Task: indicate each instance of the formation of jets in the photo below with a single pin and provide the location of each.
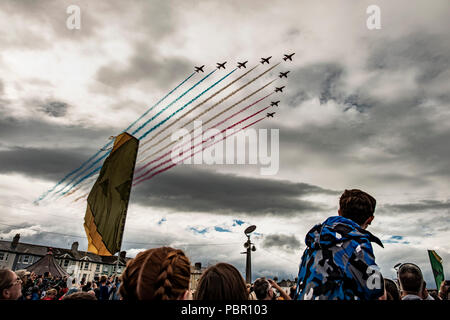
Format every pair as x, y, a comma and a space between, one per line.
221, 65
283, 74
243, 64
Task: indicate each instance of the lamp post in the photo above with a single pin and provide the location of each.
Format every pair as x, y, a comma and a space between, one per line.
250, 247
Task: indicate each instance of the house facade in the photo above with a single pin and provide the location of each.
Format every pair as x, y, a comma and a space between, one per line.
15, 255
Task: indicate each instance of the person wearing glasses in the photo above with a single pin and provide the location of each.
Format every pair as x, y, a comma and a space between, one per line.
338, 262
10, 285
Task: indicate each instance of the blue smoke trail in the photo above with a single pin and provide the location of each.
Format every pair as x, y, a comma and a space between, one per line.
188, 103
45, 194
169, 105
153, 128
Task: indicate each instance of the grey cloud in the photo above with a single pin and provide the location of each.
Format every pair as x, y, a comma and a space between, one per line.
421, 206
51, 164
50, 13
54, 108
281, 241
145, 66
192, 190
39, 133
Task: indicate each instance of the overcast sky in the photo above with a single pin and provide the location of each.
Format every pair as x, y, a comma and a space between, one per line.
361, 108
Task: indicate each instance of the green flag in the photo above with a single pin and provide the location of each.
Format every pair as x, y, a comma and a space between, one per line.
436, 266
107, 202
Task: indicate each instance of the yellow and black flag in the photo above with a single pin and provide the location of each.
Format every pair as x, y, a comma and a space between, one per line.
107, 202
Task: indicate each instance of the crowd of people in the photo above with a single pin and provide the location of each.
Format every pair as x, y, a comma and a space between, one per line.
338, 264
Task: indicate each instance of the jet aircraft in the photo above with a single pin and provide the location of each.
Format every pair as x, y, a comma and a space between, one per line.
288, 56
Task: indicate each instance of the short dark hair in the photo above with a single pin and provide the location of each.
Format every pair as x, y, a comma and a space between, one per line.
357, 205
410, 278
261, 288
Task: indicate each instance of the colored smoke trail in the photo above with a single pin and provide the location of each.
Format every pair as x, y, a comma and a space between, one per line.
209, 120
185, 105
45, 194
154, 127
200, 104
212, 127
170, 104
192, 147
174, 164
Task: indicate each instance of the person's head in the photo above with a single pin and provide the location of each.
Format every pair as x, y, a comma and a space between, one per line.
51, 293
10, 285
156, 274
103, 279
221, 282
390, 291
23, 275
357, 206
263, 289
80, 296
411, 279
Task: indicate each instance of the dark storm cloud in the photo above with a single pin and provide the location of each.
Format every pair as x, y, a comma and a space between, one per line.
193, 190
54, 108
49, 164
281, 241
49, 13
145, 66
36, 132
46, 150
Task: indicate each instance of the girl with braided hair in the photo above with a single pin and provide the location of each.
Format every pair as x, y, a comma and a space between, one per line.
157, 274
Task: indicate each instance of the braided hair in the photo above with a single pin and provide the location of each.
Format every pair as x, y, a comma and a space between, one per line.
156, 274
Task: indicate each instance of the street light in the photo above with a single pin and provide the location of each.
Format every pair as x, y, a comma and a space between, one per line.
250, 247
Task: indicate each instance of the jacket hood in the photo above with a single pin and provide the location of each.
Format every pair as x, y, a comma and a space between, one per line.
335, 230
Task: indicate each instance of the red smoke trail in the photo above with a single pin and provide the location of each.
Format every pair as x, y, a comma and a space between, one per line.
212, 127
174, 164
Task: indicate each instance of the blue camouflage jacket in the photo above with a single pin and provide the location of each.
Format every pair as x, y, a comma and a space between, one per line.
338, 263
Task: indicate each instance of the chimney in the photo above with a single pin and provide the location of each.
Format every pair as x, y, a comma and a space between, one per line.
74, 247
123, 254
198, 266
15, 241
